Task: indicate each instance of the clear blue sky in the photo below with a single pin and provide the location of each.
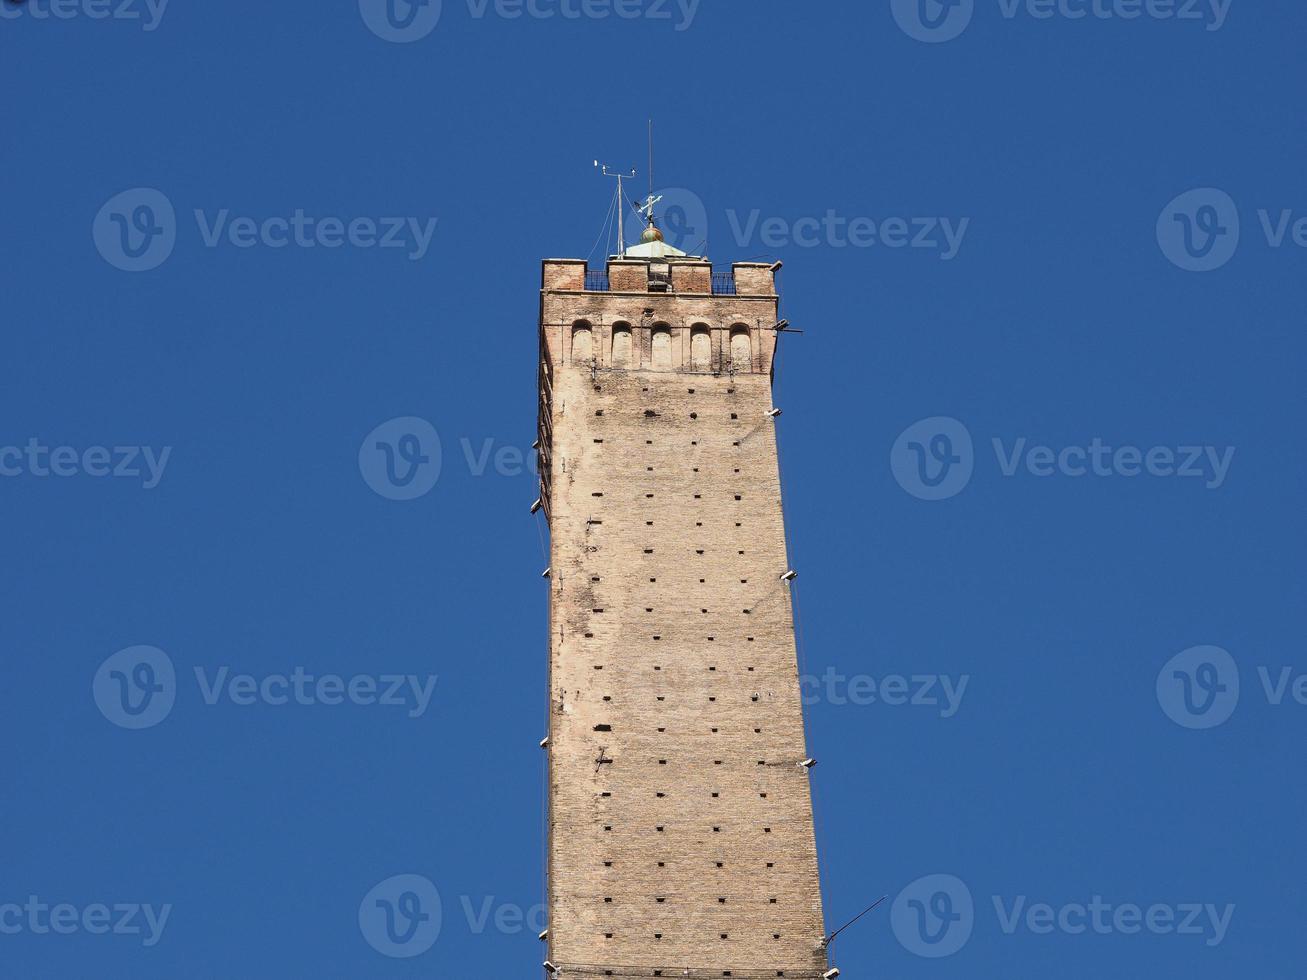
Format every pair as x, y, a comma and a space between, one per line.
1066, 771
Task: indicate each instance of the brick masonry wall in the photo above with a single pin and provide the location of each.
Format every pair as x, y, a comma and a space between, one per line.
681, 831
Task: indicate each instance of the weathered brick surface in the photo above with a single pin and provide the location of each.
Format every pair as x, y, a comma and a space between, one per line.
681, 831
564, 274
751, 278
692, 277
628, 276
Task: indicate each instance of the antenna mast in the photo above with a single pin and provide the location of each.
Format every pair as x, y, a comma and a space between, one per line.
646, 209
621, 205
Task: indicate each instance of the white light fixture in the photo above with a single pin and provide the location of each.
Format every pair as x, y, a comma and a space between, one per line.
783, 325
808, 763
790, 576
544, 935
540, 502
775, 413
547, 572
830, 974
544, 742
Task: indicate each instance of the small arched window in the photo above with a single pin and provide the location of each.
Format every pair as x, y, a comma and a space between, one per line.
662, 347
621, 345
741, 350
700, 348
582, 343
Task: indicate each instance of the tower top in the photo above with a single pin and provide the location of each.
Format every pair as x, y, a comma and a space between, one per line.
652, 243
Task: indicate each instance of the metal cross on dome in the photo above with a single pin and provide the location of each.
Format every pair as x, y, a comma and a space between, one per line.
647, 208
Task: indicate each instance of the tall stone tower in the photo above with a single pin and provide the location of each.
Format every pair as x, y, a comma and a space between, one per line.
680, 822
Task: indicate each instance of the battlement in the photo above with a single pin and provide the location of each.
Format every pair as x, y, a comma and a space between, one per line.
686, 275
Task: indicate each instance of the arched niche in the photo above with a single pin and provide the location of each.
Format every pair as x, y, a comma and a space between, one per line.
621, 345
700, 347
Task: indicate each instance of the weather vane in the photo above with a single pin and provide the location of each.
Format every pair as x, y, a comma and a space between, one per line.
646, 209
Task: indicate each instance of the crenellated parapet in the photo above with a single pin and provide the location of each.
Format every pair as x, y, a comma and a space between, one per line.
653, 315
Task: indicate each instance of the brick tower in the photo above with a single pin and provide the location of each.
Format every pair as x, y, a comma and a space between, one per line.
681, 836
